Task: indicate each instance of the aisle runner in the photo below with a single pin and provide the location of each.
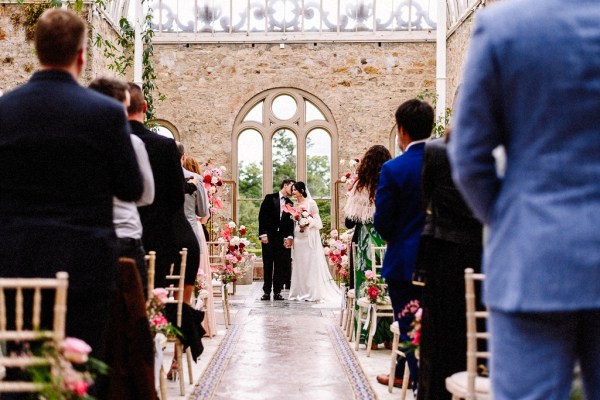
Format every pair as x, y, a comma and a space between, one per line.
357, 378
212, 375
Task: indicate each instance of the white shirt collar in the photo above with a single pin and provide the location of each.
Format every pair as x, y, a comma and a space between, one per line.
415, 142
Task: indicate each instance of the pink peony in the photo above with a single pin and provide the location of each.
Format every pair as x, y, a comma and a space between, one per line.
369, 274
159, 321
161, 294
75, 350
334, 233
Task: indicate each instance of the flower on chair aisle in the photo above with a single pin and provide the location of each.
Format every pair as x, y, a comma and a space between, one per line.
374, 288
213, 181
413, 310
236, 256
155, 307
61, 380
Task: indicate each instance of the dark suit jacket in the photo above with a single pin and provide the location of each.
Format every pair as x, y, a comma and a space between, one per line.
450, 218
157, 218
399, 217
269, 222
65, 152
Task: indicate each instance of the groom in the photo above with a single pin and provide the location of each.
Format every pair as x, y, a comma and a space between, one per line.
276, 230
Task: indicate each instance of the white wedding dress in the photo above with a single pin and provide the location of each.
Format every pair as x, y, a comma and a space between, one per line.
311, 280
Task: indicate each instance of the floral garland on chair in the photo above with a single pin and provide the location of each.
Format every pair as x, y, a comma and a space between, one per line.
236, 255
337, 256
374, 288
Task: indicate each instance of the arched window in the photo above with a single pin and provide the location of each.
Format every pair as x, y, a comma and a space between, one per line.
283, 133
164, 128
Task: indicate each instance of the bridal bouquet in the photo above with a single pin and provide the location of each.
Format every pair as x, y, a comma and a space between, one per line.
61, 380
236, 255
337, 255
373, 288
299, 214
155, 307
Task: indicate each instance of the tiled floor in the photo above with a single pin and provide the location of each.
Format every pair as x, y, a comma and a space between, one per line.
282, 350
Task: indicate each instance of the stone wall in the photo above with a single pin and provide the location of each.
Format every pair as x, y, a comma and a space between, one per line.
361, 83
17, 54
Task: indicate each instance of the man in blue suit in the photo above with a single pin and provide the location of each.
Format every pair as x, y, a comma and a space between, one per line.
65, 152
399, 216
532, 85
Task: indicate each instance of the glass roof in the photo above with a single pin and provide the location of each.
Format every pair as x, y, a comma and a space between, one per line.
294, 18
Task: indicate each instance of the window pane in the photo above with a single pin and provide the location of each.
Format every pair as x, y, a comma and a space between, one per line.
318, 163
313, 113
284, 156
250, 164
256, 114
161, 130
325, 214
248, 216
284, 107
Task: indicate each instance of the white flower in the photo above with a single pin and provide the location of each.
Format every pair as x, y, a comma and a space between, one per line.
352, 163
214, 180
245, 241
326, 250
212, 190
234, 241
331, 242
344, 259
304, 214
231, 224
342, 161
343, 179
221, 240
303, 221
223, 168
242, 227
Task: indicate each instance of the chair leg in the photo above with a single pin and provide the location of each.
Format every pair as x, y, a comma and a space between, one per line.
188, 353
405, 380
358, 328
342, 311
370, 335
394, 361
350, 328
180, 368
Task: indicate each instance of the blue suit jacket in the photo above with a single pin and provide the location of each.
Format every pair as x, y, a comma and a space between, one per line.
399, 217
532, 84
65, 151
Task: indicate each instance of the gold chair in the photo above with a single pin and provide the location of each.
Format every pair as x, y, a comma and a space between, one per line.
217, 253
151, 265
466, 384
396, 352
179, 279
368, 312
20, 333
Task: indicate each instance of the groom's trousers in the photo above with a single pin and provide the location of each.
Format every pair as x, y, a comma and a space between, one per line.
277, 264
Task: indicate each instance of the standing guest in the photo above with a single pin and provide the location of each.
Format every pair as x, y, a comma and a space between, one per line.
399, 218
542, 256
454, 244
359, 211
276, 232
126, 217
65, 152
157, 218
202, 214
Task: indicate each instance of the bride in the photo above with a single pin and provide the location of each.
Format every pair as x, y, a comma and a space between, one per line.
311, 280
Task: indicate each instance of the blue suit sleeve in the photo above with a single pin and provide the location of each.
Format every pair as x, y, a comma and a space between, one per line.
478, 125
384, 220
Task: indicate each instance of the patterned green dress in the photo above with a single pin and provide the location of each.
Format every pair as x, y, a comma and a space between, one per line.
368, 237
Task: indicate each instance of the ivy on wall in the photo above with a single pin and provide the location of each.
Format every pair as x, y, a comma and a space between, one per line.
440, 123
119, 53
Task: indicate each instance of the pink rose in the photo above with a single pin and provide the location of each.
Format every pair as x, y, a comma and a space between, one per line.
369, 274
159, 321
416, 338
75, 350
419, 314
161, 294
334, 233
79, 387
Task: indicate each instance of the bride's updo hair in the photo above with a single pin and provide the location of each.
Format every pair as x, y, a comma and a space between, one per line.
301, 187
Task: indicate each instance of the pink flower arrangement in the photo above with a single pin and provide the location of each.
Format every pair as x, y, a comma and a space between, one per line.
337, 255
236, 255
413, 310
299, 214
61, 380
349, 177
155, 307
373, 288
213, 181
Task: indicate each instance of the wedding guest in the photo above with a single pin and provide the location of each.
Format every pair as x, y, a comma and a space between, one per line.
399, 218
66, 152
538, 96
157, 218
126, 217
454, 243
359, 211
210, 322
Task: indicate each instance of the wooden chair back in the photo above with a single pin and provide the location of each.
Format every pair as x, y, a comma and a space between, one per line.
30, 330
151, 265
474, 336
177, 291
377, 255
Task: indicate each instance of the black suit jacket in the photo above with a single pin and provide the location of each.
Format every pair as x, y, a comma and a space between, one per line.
65, 151
269, 222
157, 218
